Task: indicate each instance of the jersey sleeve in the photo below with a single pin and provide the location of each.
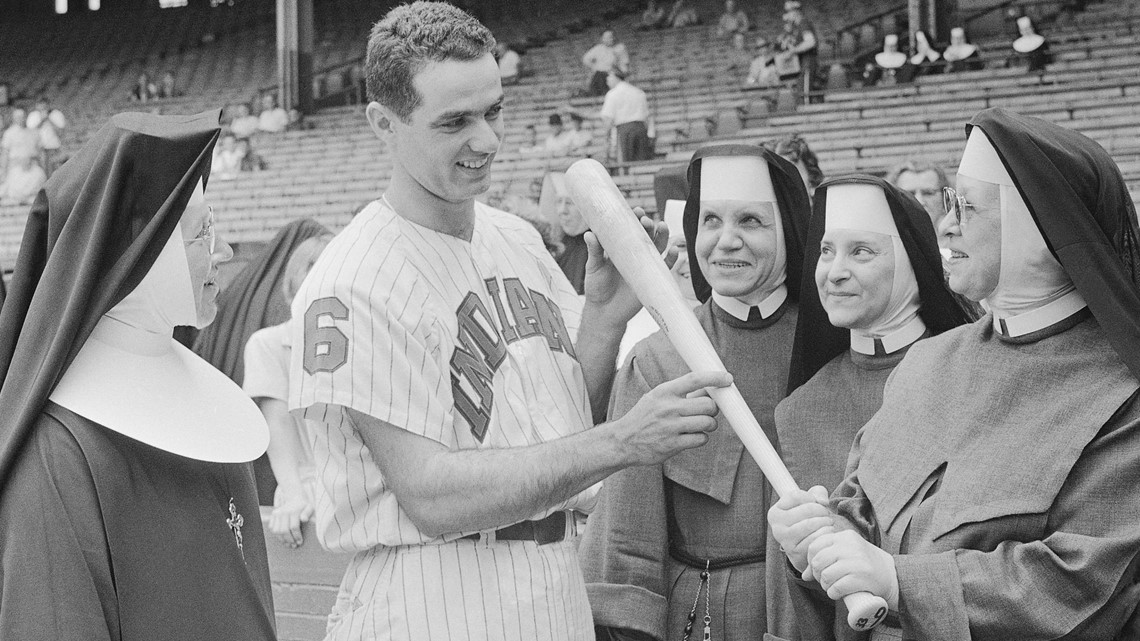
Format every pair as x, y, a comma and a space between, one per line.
374, 349
266, 366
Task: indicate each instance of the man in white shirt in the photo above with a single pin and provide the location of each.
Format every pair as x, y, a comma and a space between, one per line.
273, 119
509, 64
49, 123
608, 54
627, 109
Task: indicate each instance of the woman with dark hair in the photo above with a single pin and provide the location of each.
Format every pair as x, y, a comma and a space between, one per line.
128, 510
872, 261
796, 151
678, 547
996, 492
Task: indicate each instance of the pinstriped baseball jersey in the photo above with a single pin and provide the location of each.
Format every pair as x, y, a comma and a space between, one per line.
466, 343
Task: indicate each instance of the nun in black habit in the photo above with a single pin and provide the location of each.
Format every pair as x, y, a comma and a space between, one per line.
657, 529
128, 509
996, 493
872, 264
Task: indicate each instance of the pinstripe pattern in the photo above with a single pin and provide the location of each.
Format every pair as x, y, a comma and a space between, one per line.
428, 314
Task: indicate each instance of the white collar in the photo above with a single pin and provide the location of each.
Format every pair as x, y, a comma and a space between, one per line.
893, 342
1030, 43
959, 52
1040, 318
739, 309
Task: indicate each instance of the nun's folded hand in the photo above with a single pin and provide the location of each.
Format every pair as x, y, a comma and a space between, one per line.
797, 520
844, 562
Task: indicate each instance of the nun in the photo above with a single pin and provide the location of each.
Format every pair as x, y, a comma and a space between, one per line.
128, 509
892, 63
961, 55
676, 551
996, 493
926, 58
1030, 45
872, 258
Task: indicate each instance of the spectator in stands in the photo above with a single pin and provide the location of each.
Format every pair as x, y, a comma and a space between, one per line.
732, 21
739, 57
227, 159
244, 124
297, 120
251, 161
167, 88
580, 138
49, 123
652, 18
798, 41
682, 15
266, 381
530, 144
272, 119
608, 54
961, 55
24, 180
510, 64
925, 181
144, 90
891, 62
796, 151
18, 142
557, 141
626, 108
926, 58
526, 205
762, 69
1031, 45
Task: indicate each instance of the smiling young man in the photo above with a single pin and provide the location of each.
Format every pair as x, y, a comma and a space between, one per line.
657, 528
453, 369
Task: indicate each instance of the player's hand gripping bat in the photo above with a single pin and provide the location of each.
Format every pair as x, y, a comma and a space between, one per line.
639, 262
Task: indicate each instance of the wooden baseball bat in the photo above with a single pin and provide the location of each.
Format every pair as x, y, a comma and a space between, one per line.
639, 262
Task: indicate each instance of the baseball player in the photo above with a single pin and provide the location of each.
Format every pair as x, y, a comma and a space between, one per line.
454, 373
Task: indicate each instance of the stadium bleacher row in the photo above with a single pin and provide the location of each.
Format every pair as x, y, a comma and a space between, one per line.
329, 171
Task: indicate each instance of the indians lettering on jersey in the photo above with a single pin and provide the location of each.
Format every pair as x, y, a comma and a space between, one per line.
481, 345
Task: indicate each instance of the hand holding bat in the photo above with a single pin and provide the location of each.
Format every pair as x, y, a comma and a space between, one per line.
639, 262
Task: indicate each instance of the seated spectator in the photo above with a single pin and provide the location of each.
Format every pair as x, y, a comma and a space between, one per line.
925, 181
557, 143
297, 120
227, 159
1031, 45
580, 139
250, 159
682, 15
530, 145
272, 119
244, 124
961, 55
167, 88
652, 18
49, 123
525, 205
926, 58
601, 58
733, 20
510, 64
144, 90
23, 182
18, 142
891, 62
739, 57
796, 151
762, 69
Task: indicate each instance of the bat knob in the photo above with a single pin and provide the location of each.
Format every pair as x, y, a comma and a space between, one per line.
864, 610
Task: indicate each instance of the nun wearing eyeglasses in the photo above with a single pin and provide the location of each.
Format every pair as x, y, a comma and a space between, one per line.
128, 510
678, 549
872, 257
996, 493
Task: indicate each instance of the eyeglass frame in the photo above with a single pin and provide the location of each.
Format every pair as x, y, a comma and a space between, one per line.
207, 234
954, 203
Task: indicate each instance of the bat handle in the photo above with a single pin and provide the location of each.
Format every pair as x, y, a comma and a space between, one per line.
864, 610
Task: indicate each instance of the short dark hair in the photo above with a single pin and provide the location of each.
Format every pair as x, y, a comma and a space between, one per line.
794, 149
410, 36
555, 119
